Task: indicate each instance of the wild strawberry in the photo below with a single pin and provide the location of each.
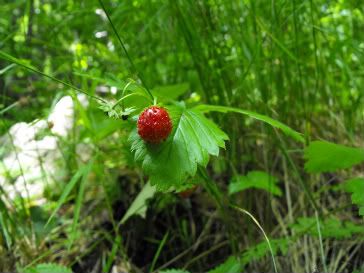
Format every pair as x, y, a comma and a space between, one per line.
154, 124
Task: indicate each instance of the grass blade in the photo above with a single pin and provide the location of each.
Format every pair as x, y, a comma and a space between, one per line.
80, 172
78, 205
275, 123
320, 240
262, 230
162, 243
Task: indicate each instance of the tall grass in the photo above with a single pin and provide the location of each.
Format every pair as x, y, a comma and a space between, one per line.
296, 61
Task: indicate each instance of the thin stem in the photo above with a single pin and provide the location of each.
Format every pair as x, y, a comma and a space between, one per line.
125, 50
8, 107
9, 58
122, 97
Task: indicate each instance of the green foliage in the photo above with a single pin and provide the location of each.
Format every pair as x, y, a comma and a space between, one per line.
67, 190
231, 265
170, 92
275, 123
355, 186
139, 205
192, 140
79, 202
323, 156
255, 179
260, 250
299, 62
330, 228
47, 268
109, 108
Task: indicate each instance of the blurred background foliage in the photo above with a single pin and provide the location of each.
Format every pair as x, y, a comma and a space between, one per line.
300, 62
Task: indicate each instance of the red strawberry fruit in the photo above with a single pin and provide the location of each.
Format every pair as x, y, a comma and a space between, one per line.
154, 124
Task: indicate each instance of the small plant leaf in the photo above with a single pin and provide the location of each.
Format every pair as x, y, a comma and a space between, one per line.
355, 186
323, 156
255, 179
231, 265
261, 250
139, 205
47, 268
171, 92
107, 107
193, 139
330, 228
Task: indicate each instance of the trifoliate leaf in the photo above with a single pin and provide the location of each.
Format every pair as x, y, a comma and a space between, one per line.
255, 179
323, 156
193, 139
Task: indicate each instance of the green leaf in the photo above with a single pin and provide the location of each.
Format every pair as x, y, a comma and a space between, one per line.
323, 156
139, 205
261, 250
255, 179
67, 190
192, 140
275, 123
79, 201
108, 108
171, 92
330, 227
355, 186
103, 127
47, 268
231, 265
